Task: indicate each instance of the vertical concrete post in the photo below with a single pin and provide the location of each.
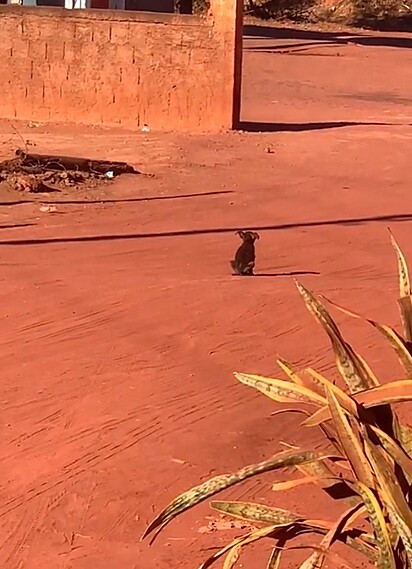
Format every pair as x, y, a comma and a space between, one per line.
227, 16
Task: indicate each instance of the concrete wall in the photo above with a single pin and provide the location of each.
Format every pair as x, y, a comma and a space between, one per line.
172, 72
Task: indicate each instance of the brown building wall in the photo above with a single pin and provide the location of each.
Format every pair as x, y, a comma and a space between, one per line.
171, 72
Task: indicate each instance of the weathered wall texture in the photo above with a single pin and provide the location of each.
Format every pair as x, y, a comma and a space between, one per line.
169, 71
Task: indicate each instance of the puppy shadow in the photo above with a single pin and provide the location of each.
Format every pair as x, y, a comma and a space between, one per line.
288, 274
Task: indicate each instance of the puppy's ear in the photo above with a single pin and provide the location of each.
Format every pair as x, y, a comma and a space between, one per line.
241, 234
256, 235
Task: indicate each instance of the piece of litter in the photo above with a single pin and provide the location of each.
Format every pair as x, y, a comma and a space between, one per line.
178, 461
48, 208
145, 128
33, 124
109, 174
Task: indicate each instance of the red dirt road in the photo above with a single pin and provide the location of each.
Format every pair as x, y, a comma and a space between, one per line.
122, 324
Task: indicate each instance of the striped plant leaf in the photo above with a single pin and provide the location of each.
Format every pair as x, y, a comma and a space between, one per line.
317, 559
280, 390
324, 477
405, 304
216, 484
250, 537
344, 399
232, 557
258, 513
386, 558
291, 484
364, 545
314, 561
398, 344
347, 362
350, 441
251, 512
289, 371
368, 370
405, 438
395, 340
290, 410
275, 558
405, 307
403, 531
352, 369
393, 392
389, 488
311, 377
395, 451
404, 282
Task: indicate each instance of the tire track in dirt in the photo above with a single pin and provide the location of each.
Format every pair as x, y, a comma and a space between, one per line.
178, 410
185, 415
117, 524
16, 546
77, 326
190, 410
81, 465
68, 437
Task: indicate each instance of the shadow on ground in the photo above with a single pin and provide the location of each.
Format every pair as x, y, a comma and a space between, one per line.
16, 225
302, 127
189, 232
288, 274
320, 38
112, 201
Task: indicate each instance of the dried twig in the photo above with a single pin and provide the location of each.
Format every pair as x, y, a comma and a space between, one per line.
20, 136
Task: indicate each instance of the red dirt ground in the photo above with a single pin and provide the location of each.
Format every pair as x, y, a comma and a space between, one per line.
117, 351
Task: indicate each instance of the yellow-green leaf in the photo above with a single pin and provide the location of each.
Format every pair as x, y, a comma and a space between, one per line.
393, 392
288, 369
280, 390
251, 512
344, 399
347, 362
317, 559
294, 483
404, 282
350, 441
324, 477
258, 513
276, 517
377, 519
314, 561
250, 537
405, 438
368, 371
405, 307
395, 340
395, 451
274, 559
216, 484
388, 487
403, 531
232, 557
398, 344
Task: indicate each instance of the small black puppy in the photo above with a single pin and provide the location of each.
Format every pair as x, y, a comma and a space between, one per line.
244, 261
